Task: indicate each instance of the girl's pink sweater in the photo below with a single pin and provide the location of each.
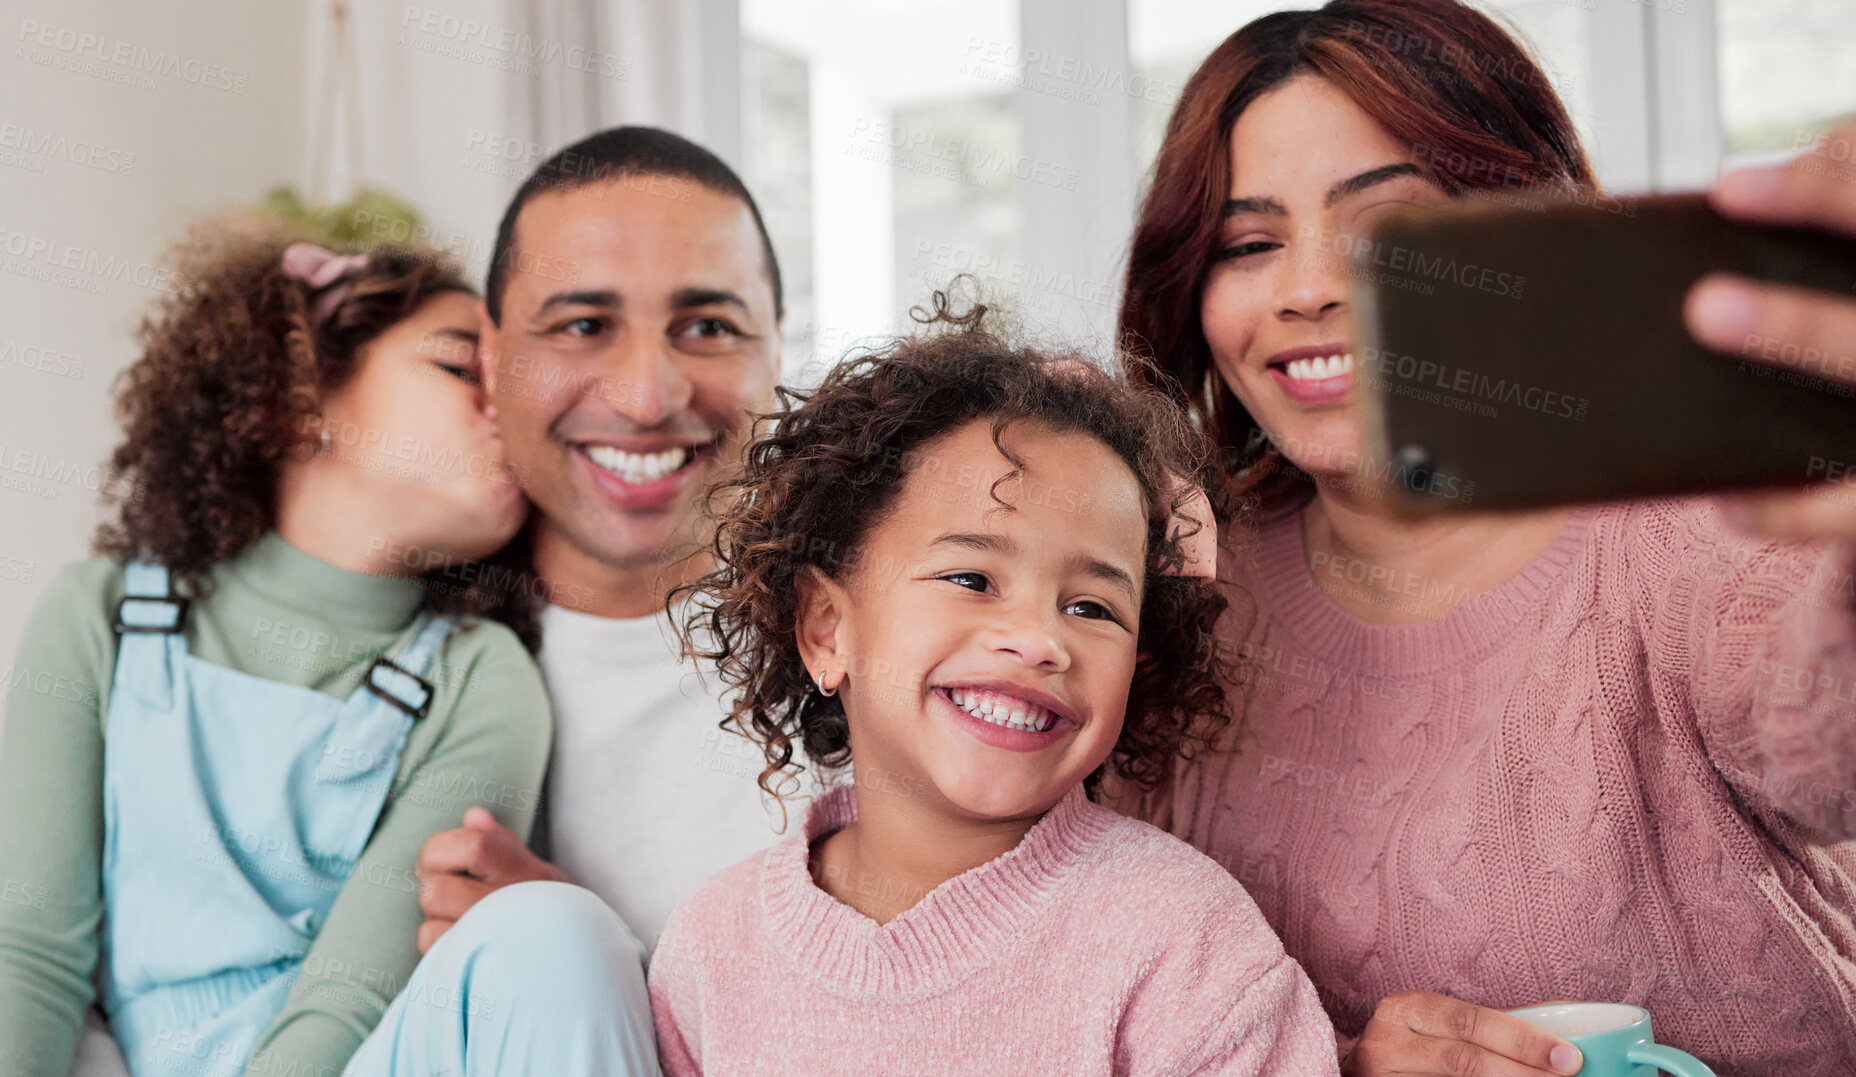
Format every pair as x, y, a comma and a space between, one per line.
1098, 945
1620, 775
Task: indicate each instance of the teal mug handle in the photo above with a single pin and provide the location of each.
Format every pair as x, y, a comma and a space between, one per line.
1680, 1063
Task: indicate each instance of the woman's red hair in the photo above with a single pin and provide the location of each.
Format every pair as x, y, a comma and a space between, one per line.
1441, 77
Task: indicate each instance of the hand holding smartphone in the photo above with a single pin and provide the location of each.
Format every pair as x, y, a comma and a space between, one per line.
1533, 353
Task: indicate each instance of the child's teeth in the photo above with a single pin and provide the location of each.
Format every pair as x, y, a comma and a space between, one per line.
638, 467
1008, 711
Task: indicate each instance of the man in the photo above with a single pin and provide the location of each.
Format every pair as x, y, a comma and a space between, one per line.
631, 324
630, 328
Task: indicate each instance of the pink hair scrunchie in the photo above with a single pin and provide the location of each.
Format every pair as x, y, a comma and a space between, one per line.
319, 268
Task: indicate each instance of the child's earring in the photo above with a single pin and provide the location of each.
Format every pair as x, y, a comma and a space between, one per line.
308, 448
836, 679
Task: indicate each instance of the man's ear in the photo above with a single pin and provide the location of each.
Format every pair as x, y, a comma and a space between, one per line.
819, 623
489, 341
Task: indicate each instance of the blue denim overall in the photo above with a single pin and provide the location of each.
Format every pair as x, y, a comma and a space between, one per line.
234, 810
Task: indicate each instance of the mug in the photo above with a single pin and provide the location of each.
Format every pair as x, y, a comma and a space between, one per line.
1614, 1037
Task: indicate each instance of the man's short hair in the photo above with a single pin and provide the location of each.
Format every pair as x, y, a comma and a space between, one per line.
613, 154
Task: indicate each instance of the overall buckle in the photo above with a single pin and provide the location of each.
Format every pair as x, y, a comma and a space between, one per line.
122, 627
386, 693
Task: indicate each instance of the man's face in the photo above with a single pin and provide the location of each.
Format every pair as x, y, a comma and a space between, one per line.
638, 333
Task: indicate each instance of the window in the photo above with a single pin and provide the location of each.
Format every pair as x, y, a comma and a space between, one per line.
896, 143
878, 129
1788, 72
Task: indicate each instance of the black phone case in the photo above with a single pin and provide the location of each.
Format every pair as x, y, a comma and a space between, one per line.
1520, 357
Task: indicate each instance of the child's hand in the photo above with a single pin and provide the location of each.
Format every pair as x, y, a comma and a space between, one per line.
458, 867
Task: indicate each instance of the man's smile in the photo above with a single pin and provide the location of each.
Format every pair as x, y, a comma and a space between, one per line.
645, 463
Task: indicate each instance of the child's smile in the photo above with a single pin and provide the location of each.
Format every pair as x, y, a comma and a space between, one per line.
988, 633
1010, 717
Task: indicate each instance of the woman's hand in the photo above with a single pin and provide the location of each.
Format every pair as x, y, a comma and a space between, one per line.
1422, 1032
1792, 328
458, 868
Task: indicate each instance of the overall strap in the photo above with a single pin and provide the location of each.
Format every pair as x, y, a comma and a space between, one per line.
375, 724
399, 681
149, 624
150, 604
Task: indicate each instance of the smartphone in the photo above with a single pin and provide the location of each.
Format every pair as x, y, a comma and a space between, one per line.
1533, 353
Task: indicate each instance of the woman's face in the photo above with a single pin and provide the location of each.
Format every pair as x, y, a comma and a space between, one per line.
409, 440
988, 650
1310, 174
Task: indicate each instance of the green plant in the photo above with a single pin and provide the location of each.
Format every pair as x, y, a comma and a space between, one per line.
369, 217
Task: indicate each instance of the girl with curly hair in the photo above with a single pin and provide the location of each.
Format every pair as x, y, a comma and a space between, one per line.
955, 566
237, 726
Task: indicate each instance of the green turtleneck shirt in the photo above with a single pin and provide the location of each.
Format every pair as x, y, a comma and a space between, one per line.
278, 613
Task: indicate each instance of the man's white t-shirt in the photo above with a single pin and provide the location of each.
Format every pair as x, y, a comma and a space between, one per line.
647, 796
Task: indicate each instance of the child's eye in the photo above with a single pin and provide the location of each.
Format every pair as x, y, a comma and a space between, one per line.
1094, 611
466, 373
972, 581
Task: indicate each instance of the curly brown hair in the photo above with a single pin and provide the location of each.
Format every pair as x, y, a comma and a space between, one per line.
231, 372
831, 468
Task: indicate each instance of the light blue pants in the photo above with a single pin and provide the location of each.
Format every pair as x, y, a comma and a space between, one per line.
537, 978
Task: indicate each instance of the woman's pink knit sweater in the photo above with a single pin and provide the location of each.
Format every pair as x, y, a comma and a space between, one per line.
1098, 945
1619, 775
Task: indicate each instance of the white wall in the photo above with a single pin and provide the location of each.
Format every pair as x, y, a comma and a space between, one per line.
465, 97
432, 78
118, 122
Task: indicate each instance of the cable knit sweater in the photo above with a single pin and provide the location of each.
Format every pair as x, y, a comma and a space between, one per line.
1618, 775
1098, 945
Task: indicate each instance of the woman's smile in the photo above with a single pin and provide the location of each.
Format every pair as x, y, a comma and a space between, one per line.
1313, 376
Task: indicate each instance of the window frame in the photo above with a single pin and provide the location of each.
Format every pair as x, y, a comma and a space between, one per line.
1654, 84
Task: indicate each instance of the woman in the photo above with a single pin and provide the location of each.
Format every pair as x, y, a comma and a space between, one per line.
269, 690
1590, 753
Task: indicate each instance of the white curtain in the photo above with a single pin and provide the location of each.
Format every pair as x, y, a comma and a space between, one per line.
461, 99
657, 62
